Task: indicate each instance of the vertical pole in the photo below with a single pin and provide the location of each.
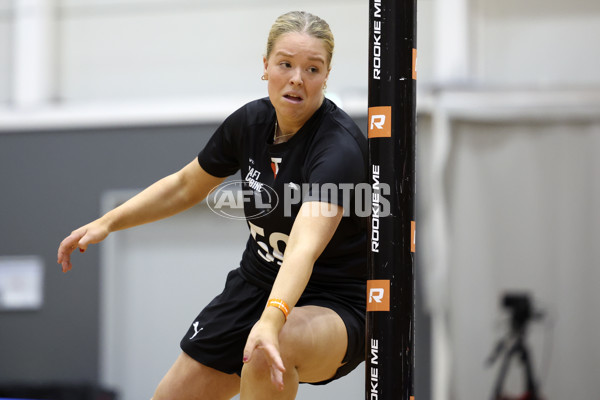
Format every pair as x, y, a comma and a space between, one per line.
392, 140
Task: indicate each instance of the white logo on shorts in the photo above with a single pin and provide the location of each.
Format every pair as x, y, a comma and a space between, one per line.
196, 330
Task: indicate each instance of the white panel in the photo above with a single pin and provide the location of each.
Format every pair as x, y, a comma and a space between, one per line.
541, 8
425, 41
155, 279
171, 41
538, 43
192, 51
21, 283
152, 5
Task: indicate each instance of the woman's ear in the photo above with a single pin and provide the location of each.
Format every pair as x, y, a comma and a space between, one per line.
265, 64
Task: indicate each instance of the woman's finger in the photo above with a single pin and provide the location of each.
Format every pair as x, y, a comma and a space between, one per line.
68, 245
274, 357
249, 349
277, 378
64, 252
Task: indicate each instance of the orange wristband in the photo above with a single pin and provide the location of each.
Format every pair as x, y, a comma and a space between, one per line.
282, 305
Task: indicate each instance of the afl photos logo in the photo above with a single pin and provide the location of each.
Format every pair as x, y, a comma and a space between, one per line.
378, 295
229, 199
380, 122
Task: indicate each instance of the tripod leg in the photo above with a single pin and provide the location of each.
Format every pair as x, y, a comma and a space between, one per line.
530, 379
502, 373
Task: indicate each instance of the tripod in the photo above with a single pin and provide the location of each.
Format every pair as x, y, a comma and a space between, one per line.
521, 309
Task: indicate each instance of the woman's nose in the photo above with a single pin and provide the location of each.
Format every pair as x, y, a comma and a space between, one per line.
296, 78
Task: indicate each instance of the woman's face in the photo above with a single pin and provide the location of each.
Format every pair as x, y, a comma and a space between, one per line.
297, 70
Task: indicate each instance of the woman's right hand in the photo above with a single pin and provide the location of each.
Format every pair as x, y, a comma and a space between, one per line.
94, 232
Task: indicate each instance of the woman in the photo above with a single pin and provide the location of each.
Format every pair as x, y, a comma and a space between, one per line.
294, 310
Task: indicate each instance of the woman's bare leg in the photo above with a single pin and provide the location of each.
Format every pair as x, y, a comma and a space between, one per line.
189, 380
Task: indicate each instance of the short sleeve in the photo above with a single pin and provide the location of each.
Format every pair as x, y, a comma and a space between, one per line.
220, 157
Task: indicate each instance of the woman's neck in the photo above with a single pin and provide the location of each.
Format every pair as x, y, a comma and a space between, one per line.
286, 128
280, 135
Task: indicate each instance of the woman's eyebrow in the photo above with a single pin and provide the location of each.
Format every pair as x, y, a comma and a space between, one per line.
311, 58
284, 53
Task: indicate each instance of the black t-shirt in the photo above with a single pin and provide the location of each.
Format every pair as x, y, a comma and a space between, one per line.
324, 161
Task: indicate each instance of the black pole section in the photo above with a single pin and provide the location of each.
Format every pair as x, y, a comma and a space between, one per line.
392, 141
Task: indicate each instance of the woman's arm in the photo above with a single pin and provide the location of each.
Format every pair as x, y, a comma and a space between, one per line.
312, 230
168, 196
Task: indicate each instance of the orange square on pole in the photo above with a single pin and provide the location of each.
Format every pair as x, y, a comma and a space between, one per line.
414, 64
380, 122
413, 239
378, 295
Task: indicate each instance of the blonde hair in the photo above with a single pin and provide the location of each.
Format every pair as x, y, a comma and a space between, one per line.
301, 22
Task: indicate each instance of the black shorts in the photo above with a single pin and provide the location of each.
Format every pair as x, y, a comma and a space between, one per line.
218, 335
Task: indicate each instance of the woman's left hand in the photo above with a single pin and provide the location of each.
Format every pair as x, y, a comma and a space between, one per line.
264, 337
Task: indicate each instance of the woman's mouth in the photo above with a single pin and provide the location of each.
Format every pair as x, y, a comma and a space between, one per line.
293, 98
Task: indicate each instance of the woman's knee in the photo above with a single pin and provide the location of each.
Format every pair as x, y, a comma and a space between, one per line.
314, 342
259, 366
312, 329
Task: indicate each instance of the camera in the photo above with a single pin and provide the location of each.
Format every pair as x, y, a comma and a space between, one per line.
519, 305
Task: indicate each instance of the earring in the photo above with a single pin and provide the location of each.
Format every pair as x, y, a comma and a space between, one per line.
325, 86
264, 77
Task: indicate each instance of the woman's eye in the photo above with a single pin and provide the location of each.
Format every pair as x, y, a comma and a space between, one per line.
285, 64
313, 69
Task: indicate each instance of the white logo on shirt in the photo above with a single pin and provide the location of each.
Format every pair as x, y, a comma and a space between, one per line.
196, 330
275, 161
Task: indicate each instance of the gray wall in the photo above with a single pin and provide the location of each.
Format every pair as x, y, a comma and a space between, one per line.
51, 184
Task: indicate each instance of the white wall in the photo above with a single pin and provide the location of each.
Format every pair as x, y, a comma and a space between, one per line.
142, 49
152, 49
156, 49
536, 43
5, 51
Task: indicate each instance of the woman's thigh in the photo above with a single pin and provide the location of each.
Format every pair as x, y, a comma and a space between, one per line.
314, 340
189, 380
